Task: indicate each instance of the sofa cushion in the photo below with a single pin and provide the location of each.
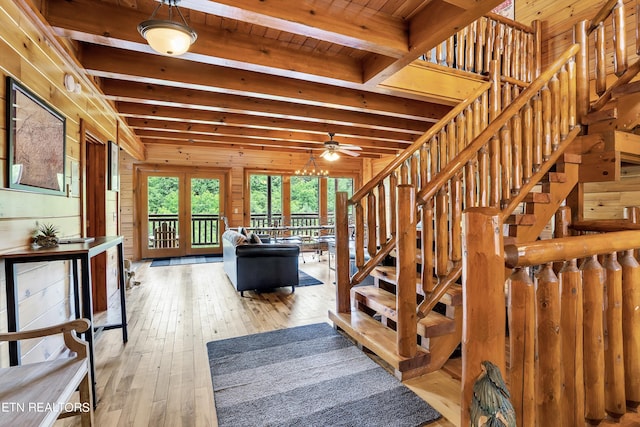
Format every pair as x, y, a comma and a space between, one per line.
234, 237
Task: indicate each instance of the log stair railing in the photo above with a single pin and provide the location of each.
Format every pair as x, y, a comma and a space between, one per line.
479, 155
580, 307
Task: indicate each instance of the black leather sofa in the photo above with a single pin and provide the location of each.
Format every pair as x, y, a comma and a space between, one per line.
256, 266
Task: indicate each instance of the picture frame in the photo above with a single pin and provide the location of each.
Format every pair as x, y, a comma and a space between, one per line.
36, 141
506, 9
114, 173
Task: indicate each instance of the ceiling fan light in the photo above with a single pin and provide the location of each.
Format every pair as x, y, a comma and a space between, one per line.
332, 156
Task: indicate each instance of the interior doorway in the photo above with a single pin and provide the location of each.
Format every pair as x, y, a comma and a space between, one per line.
181, 212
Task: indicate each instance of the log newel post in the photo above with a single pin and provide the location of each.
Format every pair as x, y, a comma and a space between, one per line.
613, 349
343, 286
631, 326
522, 338
406, 303
484, 316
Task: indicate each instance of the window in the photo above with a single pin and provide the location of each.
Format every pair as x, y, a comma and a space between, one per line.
333, 186
266, 200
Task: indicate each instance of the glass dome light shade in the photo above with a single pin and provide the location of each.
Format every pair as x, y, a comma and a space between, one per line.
167, 37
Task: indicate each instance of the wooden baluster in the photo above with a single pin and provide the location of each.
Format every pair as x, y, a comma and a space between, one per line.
547, 134
489, 45
518, 50
506, 94
537, 49
507, 52
522, 337
600, 58
483, 333
554, 88
494, 143
343, 285
393, 183
525, 55
613, 349
505, 168
469, 40
439, 53
443, 155
433, 157
498, 50
470, 120
563, 76
406, 273
371, 224
631, 326
619, 39
529, 64
571, 71
572, 344
538, 132
442, 232
593, 284
450, 51
460, 36
470, 184
404, 173
359, 234
483, 155
382, 213
414, 171
460, 134
582, 69
481, 34
452, 142
527, 143
456, 218
548, 324
516, 154
426, 234
637, 27
424, 166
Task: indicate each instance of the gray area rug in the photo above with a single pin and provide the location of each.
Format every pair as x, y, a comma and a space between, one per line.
185, 260
307, 376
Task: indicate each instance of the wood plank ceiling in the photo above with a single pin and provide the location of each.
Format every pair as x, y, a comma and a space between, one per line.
274, 75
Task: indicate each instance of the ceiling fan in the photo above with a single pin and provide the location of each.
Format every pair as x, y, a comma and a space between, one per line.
332, 148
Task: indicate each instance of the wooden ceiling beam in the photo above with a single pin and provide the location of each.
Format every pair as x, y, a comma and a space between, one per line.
279, 134
115, 63
157, 143
325, 119
214, 45
155, 137
433, 24
335, 21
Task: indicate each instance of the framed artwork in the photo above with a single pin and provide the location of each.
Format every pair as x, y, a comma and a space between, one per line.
506, 9
36, 135
114, 173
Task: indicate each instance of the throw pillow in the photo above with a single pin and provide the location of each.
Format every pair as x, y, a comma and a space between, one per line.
254, 238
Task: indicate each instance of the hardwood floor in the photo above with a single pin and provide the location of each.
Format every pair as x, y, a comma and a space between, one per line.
161, 376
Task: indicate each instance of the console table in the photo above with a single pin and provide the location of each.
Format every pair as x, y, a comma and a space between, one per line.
74, 252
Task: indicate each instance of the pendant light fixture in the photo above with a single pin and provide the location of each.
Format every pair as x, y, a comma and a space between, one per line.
168, 37
311, 169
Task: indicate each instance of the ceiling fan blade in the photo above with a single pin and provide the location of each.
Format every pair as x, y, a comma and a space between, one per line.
348, 152
350, 147
324, 153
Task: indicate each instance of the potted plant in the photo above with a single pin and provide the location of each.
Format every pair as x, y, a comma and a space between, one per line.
46, 236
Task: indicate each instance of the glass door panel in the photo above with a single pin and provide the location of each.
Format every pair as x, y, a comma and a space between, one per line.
162, 229
205, 200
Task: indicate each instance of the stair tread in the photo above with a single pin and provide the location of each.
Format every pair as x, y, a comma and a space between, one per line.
381, 340
453, 296
384, 302
521, 219
536, 197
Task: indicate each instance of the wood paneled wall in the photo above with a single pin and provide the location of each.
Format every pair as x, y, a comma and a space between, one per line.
29, 54
607, 200
207, 157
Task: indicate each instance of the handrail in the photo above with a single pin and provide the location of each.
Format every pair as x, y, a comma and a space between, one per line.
443, 286
515, 24
409, 151
470, 150
625, 78
602, 14
605, 225
545, 251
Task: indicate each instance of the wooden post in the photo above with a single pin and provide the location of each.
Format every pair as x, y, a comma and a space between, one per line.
631, 326
483, 303
613, 349
549, 373
442, 232
620, 39
382, 213
537, 48
371, 224
343, 286
582, 69
522, 338
601, 60
406, 272
593, 284
427, 246
572, 344
494, 143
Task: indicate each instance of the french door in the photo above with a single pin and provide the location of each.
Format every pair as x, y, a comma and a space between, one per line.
181, 213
